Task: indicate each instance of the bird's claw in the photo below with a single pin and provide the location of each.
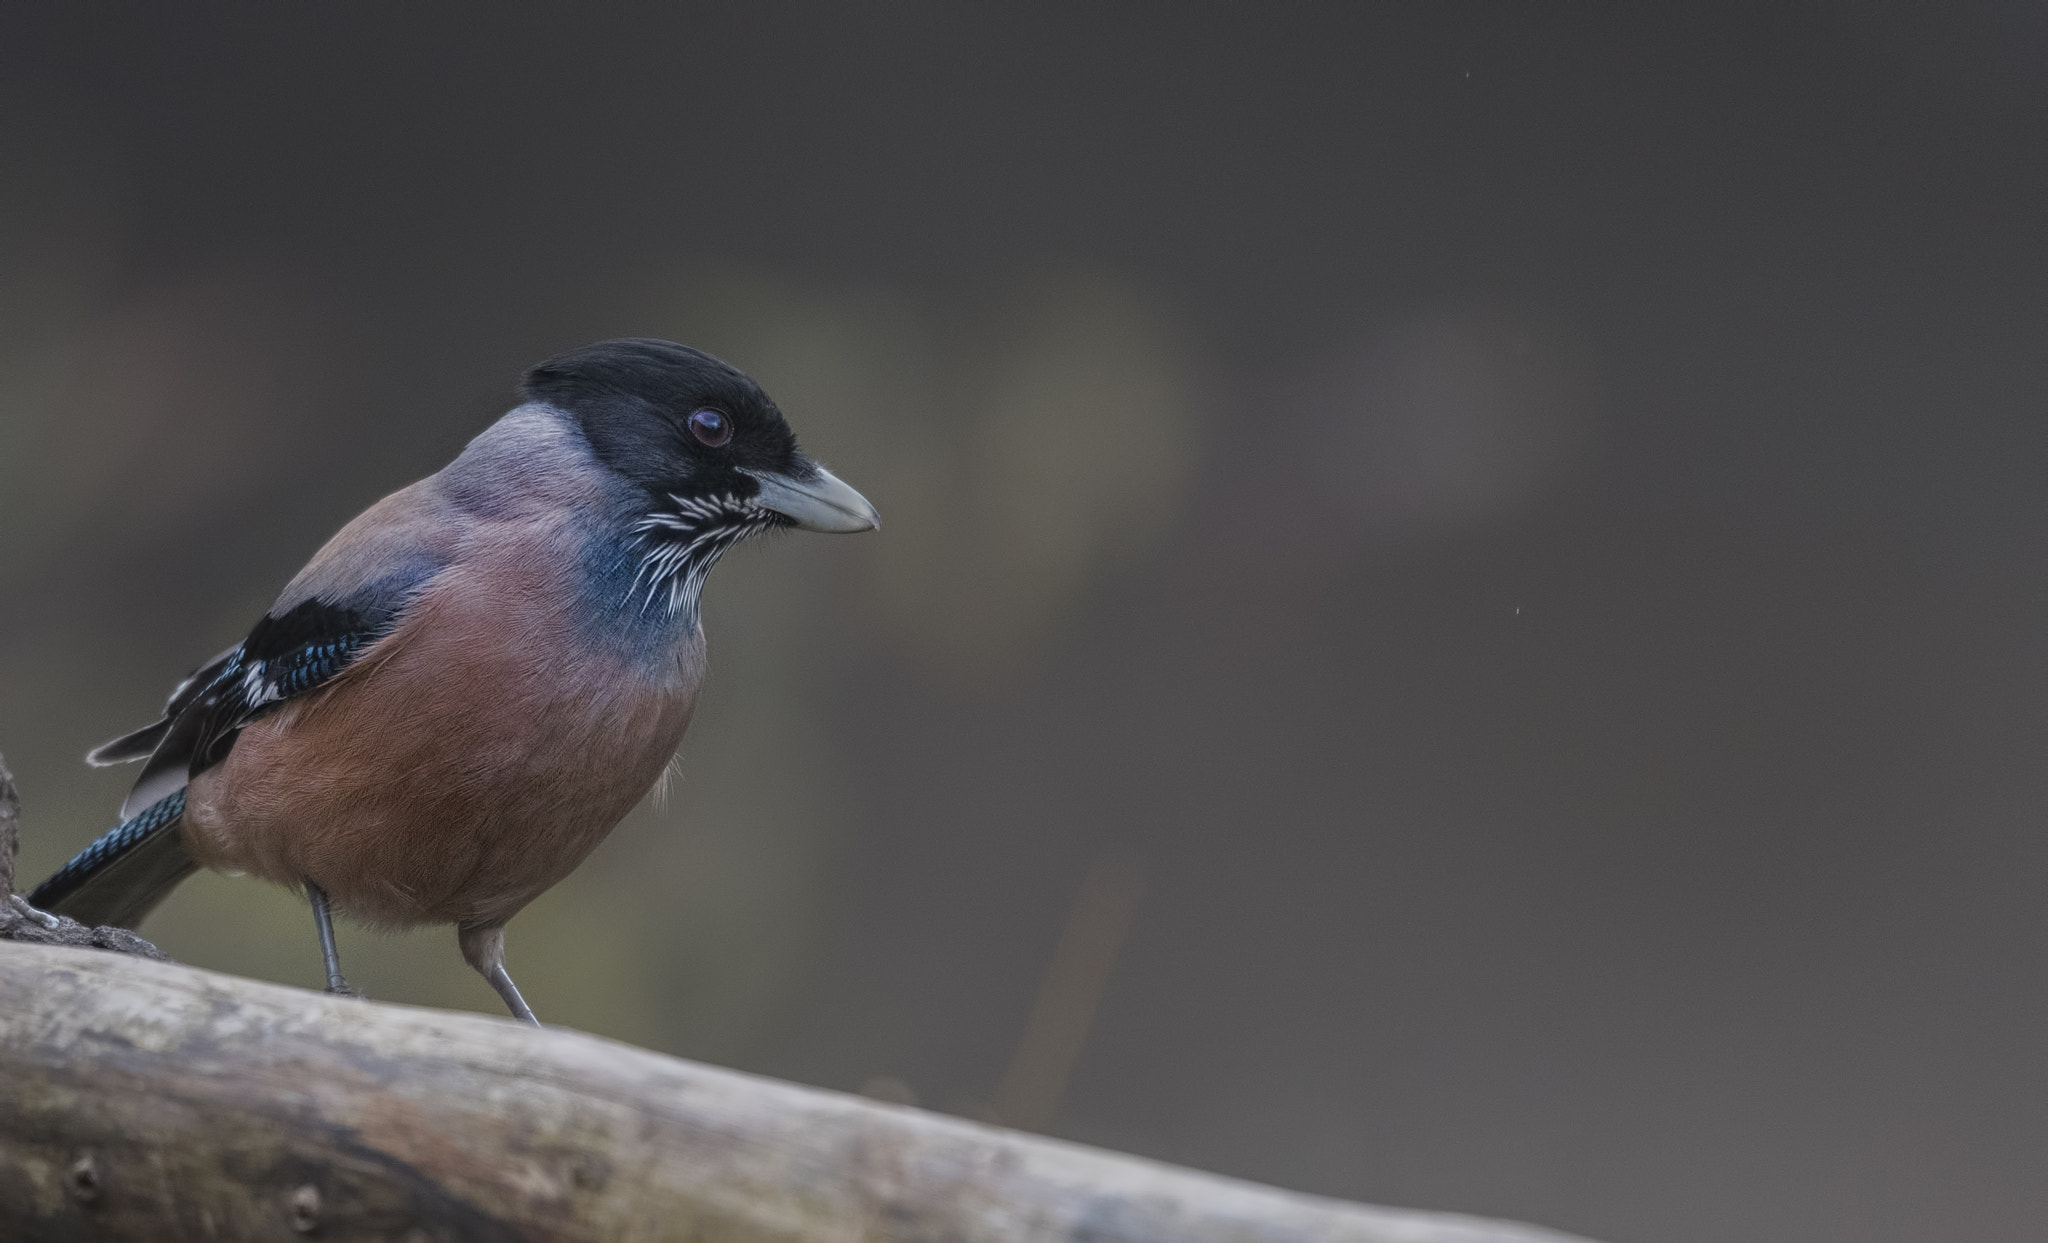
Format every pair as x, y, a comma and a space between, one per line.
21, 904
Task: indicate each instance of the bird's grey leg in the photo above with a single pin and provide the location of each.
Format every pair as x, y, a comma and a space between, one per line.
501, 980
483, 947
325, 923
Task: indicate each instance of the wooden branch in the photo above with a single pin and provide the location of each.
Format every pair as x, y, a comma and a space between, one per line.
142, 1100
147, 1100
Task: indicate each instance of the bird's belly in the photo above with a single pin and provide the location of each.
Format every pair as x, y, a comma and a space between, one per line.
439, 786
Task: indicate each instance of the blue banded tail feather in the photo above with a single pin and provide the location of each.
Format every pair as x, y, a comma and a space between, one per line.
125, 873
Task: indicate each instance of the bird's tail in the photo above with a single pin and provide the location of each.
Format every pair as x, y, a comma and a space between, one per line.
121, 877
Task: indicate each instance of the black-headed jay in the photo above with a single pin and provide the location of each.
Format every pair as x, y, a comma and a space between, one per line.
476, 679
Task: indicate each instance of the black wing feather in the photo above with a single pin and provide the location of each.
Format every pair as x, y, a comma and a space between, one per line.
143, 742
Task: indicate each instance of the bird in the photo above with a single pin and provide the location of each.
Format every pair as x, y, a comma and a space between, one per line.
472, 682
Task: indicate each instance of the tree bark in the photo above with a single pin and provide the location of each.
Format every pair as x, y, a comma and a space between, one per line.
147, 1100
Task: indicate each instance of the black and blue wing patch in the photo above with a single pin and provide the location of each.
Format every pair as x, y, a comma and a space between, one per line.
286, 655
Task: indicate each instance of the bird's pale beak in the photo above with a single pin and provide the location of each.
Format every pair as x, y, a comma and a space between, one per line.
822, 502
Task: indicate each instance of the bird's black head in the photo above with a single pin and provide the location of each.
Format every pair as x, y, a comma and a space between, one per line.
679, 423
669, 418
712, 458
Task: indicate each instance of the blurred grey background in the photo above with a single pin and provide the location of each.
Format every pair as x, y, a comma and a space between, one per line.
1461, 619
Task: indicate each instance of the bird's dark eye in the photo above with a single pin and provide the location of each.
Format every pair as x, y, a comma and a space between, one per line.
711, 427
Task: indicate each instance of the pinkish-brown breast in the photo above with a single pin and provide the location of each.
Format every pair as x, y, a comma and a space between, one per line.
467, 762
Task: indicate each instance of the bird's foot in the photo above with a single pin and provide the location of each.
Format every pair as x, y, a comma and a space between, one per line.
21, 904
339, 987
